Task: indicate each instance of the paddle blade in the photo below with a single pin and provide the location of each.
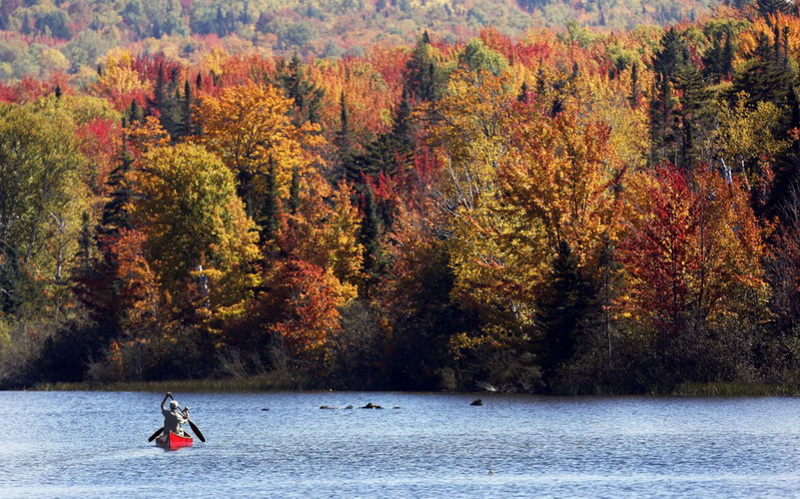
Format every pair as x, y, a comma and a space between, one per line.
197, 431
154, 435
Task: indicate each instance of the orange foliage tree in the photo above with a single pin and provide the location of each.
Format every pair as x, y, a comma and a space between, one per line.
249, 127
693, 249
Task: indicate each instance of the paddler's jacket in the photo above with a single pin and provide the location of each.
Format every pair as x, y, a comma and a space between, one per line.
173, 420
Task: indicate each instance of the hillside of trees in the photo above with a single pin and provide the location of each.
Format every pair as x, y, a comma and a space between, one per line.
38, 37
561, 211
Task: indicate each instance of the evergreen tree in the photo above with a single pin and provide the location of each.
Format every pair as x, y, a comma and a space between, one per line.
423, 78
390, 151
693, 113
187, 123
369, 237
307, 94
765, 76
768, 8
524, 92
403, 128
564, 311
268, 219
673, 55
167, 102
718, 59
135, 113
115, 215
671, 60
344, 138
636, 93
294, 191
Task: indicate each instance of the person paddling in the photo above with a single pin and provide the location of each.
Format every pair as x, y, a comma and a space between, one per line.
173, 417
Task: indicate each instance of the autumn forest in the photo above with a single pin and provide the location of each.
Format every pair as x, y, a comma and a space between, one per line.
577, 208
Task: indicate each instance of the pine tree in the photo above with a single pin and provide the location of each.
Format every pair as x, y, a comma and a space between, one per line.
662, 121
307, 95
768, 8
294, 191
115, 215
270, 212
423, 78
369, 237
390, 152
692, 112
673, 55
187, 123
344, 139
523, 96
765, 76
636, 93
135, 113
564, 311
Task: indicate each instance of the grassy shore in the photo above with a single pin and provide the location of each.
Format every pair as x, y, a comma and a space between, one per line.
736, 390
264, 383
267, 383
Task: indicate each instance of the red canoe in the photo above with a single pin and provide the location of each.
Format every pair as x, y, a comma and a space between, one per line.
174, 441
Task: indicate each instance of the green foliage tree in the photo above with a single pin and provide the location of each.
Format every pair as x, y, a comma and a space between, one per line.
307, 95
189, 210
42, 194
564, 312
424, 78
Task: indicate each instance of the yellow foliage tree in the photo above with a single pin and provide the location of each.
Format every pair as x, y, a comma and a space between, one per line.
195, 226
248, 127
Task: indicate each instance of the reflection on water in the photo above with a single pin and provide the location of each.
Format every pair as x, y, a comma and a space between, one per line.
69, 444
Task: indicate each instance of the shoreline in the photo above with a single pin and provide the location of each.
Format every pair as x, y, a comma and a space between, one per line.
267, 384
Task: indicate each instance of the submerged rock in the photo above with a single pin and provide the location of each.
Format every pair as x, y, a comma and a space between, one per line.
477, 402
349, 407
326, 407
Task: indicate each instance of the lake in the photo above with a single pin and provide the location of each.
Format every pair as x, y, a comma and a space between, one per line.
94, 444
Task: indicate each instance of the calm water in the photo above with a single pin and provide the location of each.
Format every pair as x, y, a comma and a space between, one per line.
82, 444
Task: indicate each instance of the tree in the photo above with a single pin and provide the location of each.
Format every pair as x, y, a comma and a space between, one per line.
765, 76
693, 250
311, 320
305, 93
564, 311
424, 78
249, 126
369, 237
693, 113
42, 195
769, 8
190, 215
477, 57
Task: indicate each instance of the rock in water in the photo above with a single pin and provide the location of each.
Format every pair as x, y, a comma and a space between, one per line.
477, 402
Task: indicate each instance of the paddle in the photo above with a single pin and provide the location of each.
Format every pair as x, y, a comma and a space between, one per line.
154, 435
195, 429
